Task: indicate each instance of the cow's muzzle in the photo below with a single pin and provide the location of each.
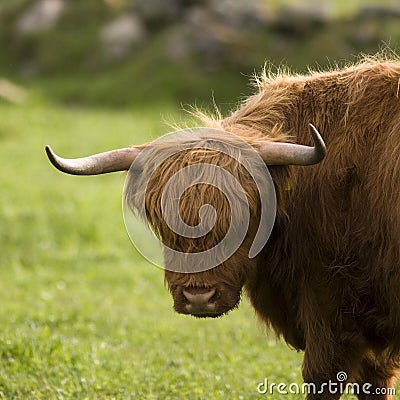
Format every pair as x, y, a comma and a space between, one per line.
200, 301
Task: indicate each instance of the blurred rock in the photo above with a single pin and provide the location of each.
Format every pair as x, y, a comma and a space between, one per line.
210, 37
12, 92
121, 35
157, 12
369, 23
115, 4
40, 17
367, 32
301, 18
379, 12
248, 14
179, 46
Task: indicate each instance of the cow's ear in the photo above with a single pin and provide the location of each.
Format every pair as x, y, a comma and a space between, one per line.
102, 163
277, 153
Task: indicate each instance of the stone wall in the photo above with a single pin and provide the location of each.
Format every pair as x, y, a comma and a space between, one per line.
219, 32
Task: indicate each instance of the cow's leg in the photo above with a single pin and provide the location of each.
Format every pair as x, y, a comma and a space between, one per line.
327, 370
377, 380
323, 386
335, 347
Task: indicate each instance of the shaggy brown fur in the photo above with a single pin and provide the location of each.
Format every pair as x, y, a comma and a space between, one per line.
328, 280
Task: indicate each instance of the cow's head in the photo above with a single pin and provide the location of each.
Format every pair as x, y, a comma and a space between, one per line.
202, 283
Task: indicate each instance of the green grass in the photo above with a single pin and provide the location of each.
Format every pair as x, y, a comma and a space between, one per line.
82, 314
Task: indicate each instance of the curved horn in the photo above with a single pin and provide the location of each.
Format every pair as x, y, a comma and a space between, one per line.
274, 153
102, 163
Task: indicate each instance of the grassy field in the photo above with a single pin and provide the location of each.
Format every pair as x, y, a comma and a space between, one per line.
83, 316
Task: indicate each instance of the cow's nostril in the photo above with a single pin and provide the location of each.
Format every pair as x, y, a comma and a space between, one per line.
199, 297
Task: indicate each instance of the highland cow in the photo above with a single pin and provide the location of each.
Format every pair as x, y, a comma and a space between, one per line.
328, 278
